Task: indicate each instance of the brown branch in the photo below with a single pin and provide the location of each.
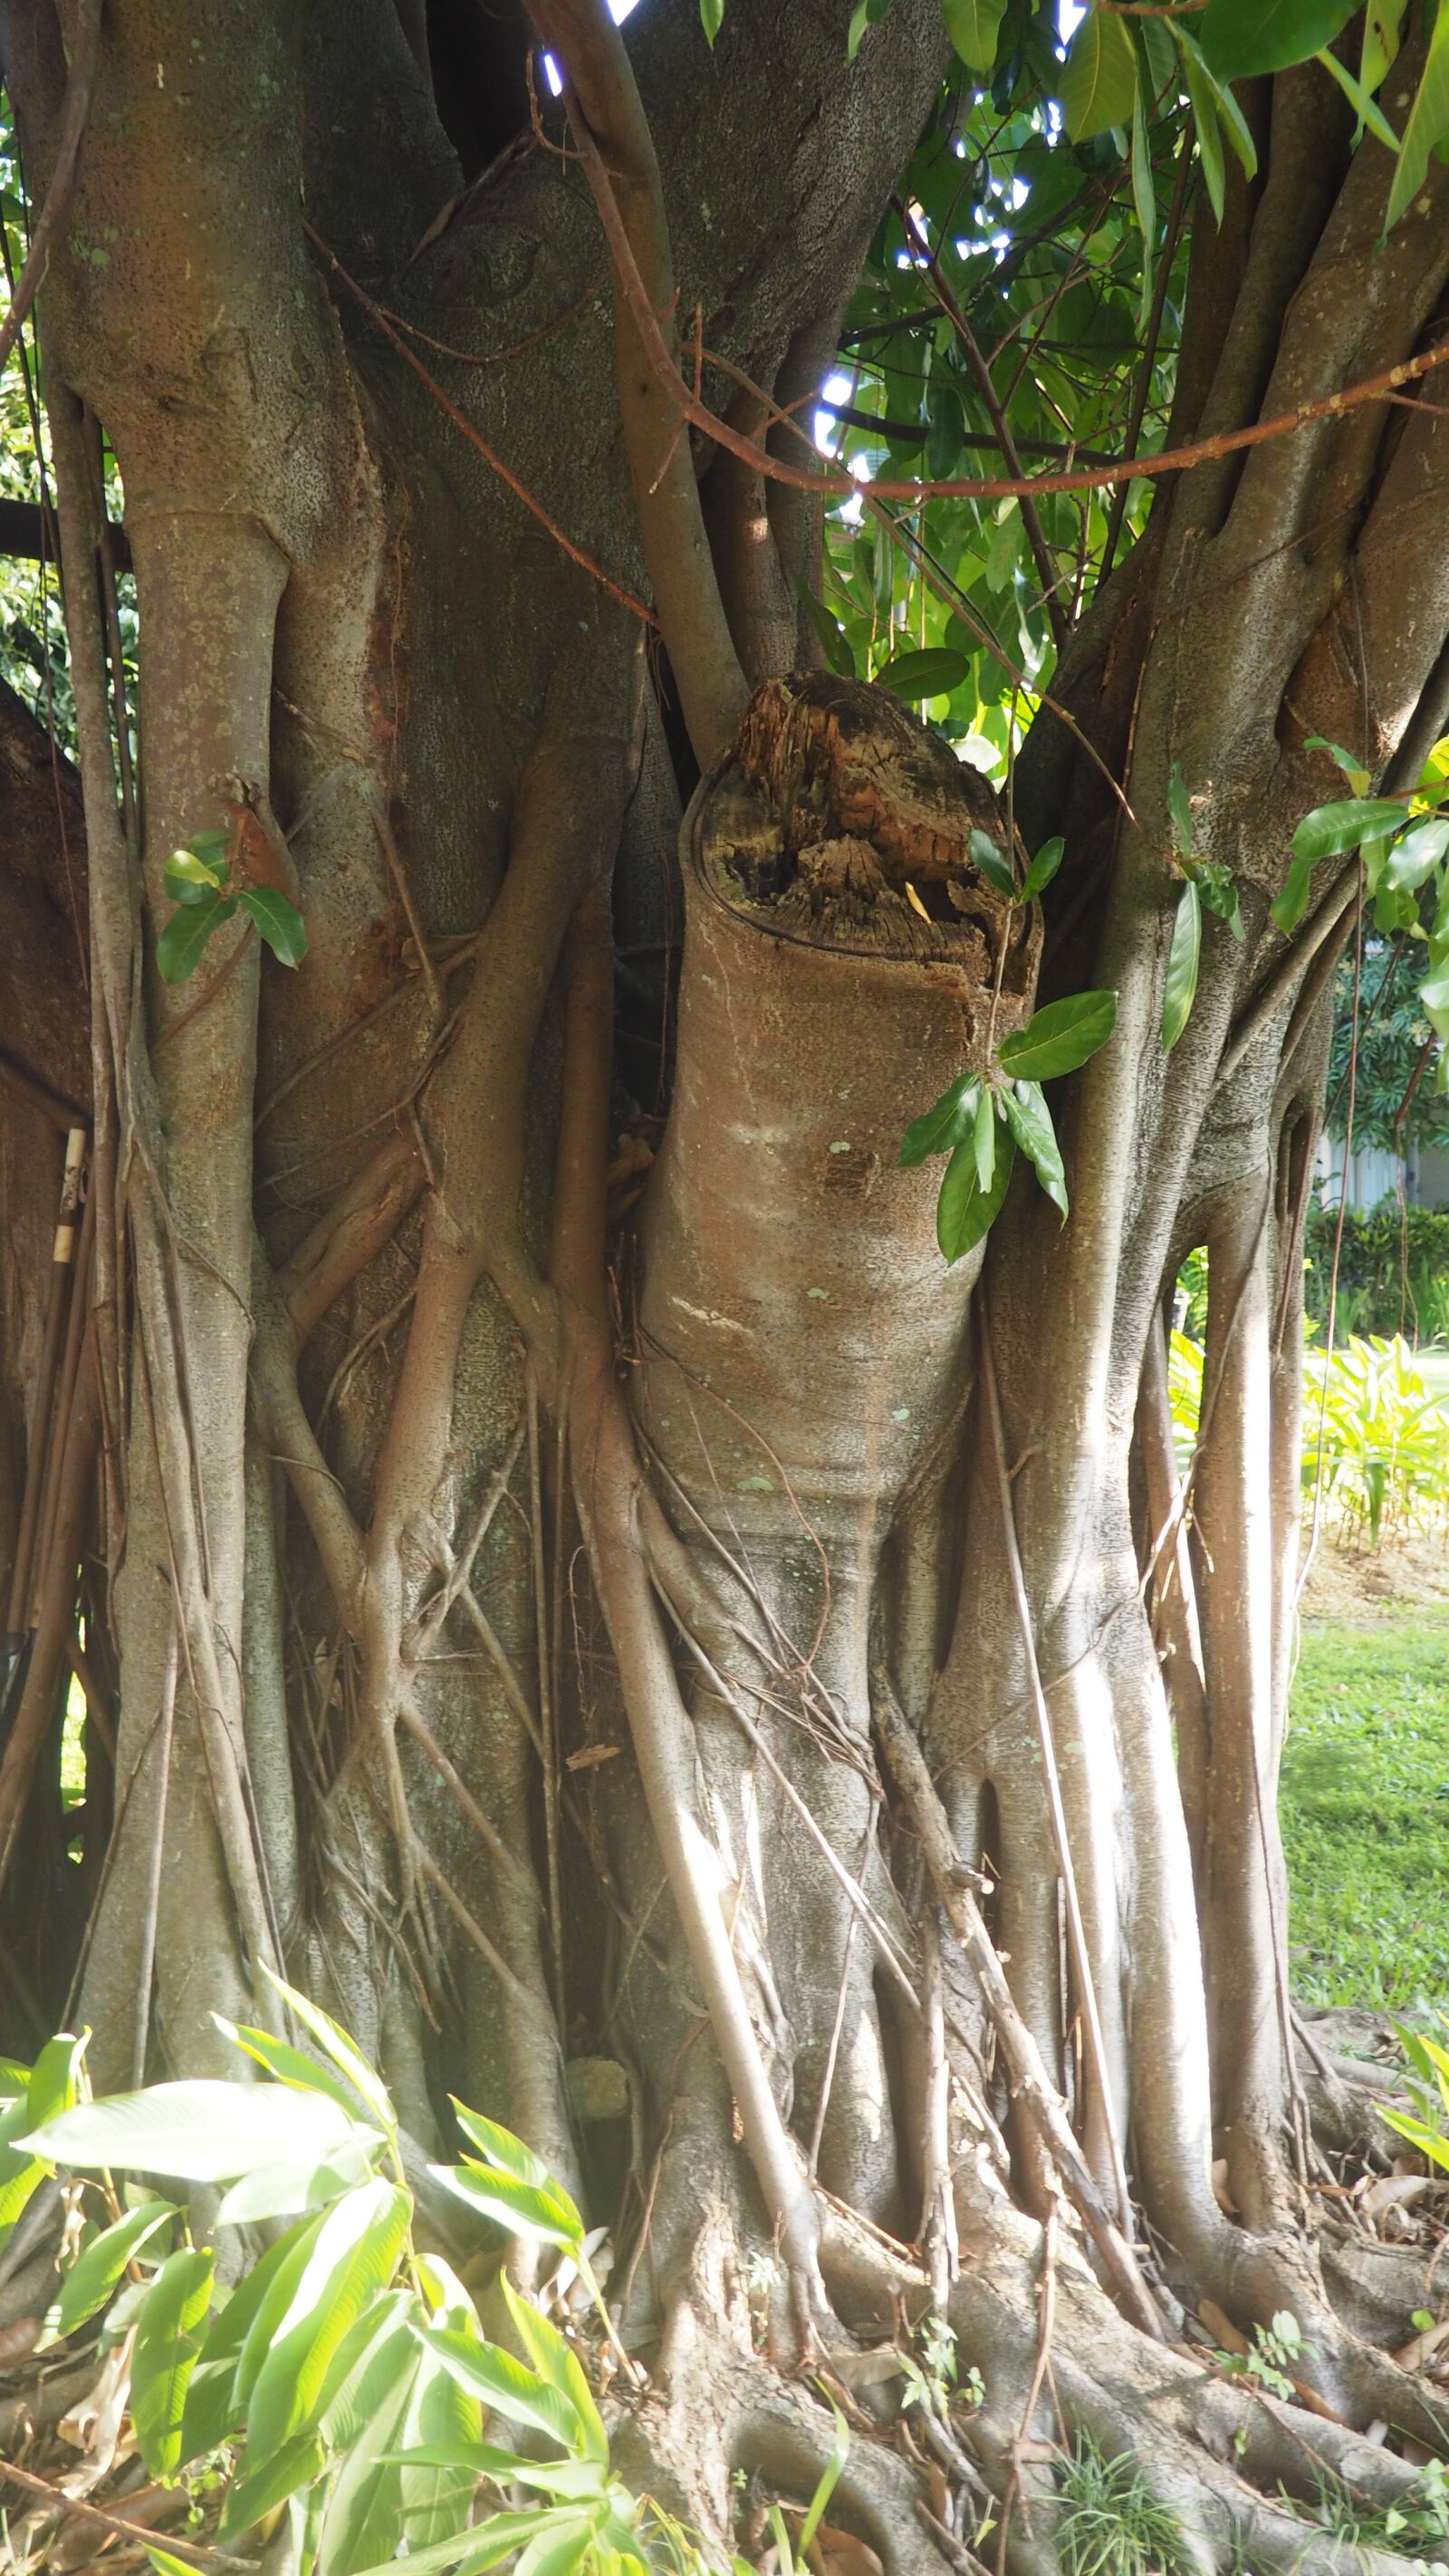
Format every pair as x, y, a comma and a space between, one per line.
84, 53
1177, 460
192, 2551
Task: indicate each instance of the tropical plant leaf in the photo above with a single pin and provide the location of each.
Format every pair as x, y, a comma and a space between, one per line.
931, 672
497, 2380
1180, 990
178, 950
98, 2271
964, 1212
1030, 1122
351, 2259
1059, 1038
974, 27
836, 644
1043, 868
1330, 830
1427, 126
542, 2210
991, 863
278, 922
944, 1126
165, 2354
1099, 78
1242, 37
201, 2131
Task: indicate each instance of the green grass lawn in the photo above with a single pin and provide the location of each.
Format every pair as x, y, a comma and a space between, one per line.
1365, 1810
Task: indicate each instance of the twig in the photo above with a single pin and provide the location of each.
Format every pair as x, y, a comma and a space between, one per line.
1045, 2328
547, 1720
66, 2504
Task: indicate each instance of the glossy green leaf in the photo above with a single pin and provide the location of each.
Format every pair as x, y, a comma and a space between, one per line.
192, 890
165, 2353
285, 2191
200, 2131
49, 2088
944, 1126
270, 2483
288, 2064
1098, 84
1383, 23
1242, 37
96, 2274
555, 2360
711, 18
479, 2547
1428, 123
541, 2210
499, 2147
834, 641
1218, 888
828, 2482
202, 862
1289, 907
1331, 830
278, 922
1352, 767
1030, 1122
440, 2413
866, 13
1180, 989
179, 948
1212, 97
964, 1212
1043, 868
1059, 1038
974, 27
364, 2424
353, 2256
1364, 108
1417, 852
931, 672
498, 2380
991, 863
983, 1140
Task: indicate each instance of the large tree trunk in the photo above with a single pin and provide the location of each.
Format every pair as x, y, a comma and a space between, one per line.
507, 1583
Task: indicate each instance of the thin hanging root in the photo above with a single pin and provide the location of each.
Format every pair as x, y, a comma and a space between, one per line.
1043, 2107
1076, 1932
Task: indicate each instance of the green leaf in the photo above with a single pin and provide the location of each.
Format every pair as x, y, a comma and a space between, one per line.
1144, 192
499, 2147
1383, 23
983, 1141
1289, 907
440, 2413
833, 637
992, 864
492, 2375
353, 2256
974, 27
49, 2087
479, 2547
364, 2426
556, 2550
94, 2277
186, 889
289, 2065
1098, 84
1043, 868
269, 2484
202, 861
1179, 807
1353, 768
1330, 830
1182, 963
1217, 886
963, 1212
1417, 852
523, 2209
555, 2360
1242, 37
179, 947
1030, 1122
1206, 92
278, 922
167, 2345
711, 18
829, 2480
931, 672
283, 2191
1358, 98
1427, 126
342, 2049
1203, 100
945, 1125
201, 2131
1059, 1038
